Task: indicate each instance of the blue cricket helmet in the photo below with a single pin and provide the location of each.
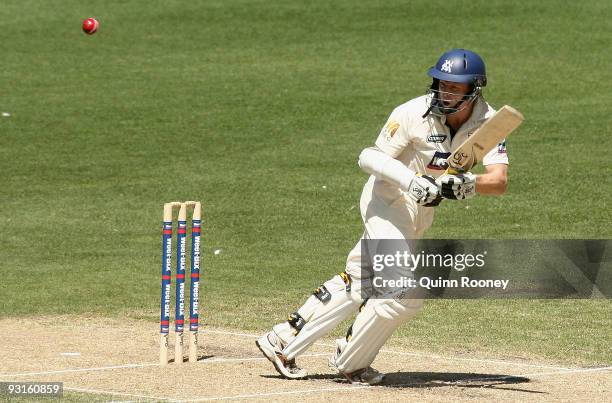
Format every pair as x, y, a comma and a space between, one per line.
460, 66
457, 66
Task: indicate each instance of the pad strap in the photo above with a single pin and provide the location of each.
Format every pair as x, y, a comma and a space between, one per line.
322, 294
296, 321
347, 280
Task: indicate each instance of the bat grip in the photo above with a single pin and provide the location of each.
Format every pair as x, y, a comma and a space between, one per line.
454, 171
449, 170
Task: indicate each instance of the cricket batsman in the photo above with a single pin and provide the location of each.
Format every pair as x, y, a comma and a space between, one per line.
407, 180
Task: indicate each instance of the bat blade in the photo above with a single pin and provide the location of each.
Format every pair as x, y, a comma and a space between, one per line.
487, 136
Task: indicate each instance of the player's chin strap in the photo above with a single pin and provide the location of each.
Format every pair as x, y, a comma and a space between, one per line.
437, 108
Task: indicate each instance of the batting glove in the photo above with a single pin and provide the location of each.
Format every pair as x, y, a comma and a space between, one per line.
457, 187
424, 190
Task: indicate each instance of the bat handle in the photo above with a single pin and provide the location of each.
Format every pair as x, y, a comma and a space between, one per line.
454, 171
450, 170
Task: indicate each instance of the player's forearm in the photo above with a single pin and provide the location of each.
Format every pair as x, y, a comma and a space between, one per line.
385, 167
491, 184
420, 188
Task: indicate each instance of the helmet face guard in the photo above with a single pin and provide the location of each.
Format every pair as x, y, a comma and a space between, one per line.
437, 107
458, 66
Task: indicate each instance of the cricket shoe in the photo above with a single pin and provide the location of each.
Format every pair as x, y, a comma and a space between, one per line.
364, 376
271, 347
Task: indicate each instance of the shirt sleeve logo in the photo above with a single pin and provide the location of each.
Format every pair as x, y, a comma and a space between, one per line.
501, 148
390, 129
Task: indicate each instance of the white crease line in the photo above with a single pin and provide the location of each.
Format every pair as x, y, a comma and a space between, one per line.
359, 387
434, 356
61, 371
230, 333
262, 358
149, 364
107, 392
213, 360
476, 360
338, 389
572, 371
532, 375
292, 392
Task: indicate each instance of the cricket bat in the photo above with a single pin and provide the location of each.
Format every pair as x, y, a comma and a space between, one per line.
487, 136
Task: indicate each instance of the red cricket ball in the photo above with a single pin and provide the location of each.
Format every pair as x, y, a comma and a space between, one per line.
90, 26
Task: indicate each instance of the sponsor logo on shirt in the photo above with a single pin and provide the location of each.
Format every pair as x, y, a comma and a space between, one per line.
390, 129
501, 147
436, 138
437, 160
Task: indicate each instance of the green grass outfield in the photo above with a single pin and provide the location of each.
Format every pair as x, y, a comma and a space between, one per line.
259, 109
